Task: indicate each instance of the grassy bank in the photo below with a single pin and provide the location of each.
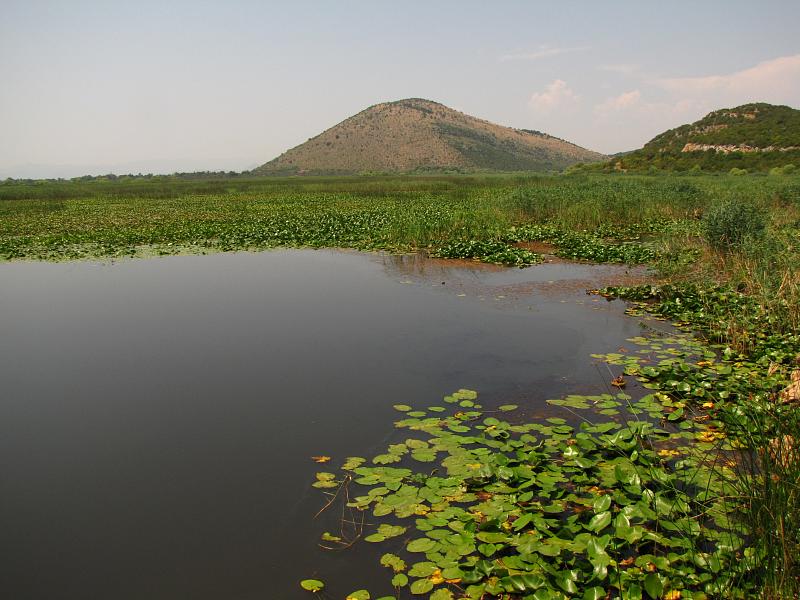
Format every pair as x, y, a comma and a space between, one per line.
55, 220
719, 518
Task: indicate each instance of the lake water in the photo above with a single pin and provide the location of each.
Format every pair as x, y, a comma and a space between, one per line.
157, 417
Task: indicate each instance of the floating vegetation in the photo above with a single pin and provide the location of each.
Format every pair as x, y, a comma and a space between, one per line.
495, 508
724, 315
603, 245
495, 252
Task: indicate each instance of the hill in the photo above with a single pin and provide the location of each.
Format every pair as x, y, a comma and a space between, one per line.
755, 136
421, 135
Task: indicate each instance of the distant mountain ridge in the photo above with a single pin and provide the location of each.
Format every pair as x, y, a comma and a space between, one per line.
755, 136
418, 135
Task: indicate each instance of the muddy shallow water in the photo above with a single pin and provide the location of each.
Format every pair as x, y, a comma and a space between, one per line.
157, 417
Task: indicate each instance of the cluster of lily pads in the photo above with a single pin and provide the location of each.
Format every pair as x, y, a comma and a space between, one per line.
489, 251
604, 245
724, 315
616, 503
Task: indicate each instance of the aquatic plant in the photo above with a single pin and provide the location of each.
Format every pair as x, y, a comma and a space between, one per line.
753, 395
492, 251
492, 507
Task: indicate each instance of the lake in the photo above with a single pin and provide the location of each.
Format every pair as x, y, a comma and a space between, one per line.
158, 416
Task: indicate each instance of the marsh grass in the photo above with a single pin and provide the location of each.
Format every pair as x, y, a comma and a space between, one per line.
766, 485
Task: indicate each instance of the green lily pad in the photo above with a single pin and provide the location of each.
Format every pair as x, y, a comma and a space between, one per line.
421, 586
421, 545
312, 585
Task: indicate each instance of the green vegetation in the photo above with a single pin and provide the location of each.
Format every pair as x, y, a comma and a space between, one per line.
732, 224
751, 137
629, 507
492, 251
691, 488
57, 220
745, 385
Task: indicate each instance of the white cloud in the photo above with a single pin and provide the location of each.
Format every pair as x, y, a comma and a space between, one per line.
622, 102
776, 80
542, 52
556, 94
633, 105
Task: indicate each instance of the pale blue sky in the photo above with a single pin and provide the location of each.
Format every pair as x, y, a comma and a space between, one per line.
92, 87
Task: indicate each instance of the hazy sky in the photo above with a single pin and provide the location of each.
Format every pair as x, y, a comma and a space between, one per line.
92, 87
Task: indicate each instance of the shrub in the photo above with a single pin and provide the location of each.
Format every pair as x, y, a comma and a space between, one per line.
737, 171
784, 170
732, 223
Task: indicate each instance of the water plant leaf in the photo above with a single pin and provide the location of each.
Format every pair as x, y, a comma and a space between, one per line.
325, 480
602, 504
599, 521
594, 593
396, 563
421, 586
353, 462
390, 531
422, 569
421, 545
358, 595
653, 585
312, 585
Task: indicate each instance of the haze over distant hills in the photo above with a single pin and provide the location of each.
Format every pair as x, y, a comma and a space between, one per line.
419, 135
755, 136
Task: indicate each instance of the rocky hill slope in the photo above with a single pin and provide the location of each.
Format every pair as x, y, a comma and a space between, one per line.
421, 135
756, 136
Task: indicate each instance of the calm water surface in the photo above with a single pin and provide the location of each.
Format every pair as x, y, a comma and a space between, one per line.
157, 416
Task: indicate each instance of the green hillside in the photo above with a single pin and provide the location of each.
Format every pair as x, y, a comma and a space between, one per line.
756, 137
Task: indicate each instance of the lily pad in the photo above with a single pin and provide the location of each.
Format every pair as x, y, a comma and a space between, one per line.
312, 585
